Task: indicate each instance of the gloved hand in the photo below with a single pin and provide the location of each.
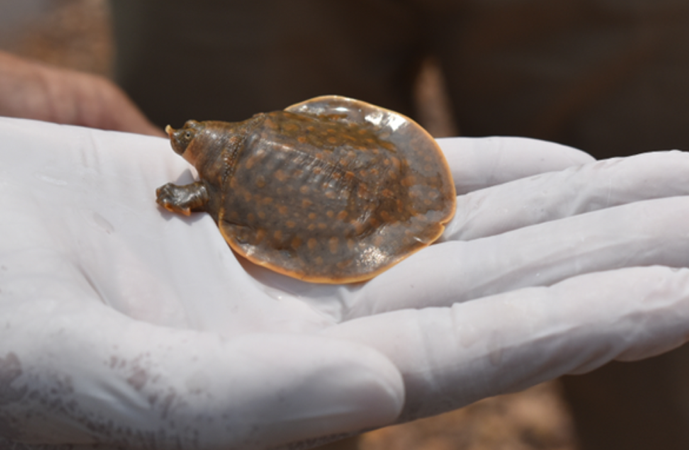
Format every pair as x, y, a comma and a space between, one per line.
127, 326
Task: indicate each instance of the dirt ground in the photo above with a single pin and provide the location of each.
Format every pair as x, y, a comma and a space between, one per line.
76, 34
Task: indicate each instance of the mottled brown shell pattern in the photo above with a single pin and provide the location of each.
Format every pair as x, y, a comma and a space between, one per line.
334, 190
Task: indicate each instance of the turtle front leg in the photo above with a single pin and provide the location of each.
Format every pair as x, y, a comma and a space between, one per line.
183, 199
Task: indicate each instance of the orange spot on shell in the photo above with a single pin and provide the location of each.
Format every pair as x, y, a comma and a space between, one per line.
282, 209
311, 243
296, 242
277, 235
333, 244
305, 203
342, 215
409, 180
330, 214
359, 226
260, 181
291, 224
280, 175
304, 189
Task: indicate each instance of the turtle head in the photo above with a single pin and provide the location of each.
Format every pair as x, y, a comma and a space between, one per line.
182, 137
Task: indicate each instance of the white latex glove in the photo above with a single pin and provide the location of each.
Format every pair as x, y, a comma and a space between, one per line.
127, 326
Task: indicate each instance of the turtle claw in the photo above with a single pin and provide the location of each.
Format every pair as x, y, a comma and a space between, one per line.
171, 197
182, 199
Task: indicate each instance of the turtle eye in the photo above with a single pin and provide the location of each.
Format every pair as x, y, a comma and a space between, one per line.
181, 138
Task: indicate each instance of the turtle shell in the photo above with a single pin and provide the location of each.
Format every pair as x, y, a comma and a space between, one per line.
330, 190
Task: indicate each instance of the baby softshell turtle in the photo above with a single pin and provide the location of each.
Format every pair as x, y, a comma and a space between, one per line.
330, 190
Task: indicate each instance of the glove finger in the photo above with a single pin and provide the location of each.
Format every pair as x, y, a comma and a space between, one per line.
577, 190
477, 163
450, 357
637, 234
73, 371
